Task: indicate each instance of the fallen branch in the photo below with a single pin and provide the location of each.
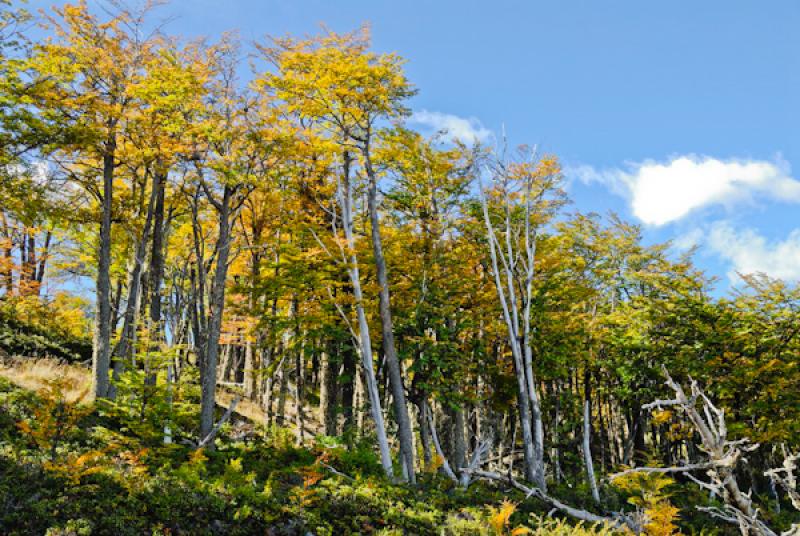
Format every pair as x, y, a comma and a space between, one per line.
337, 472
616, 520
661, 470
474, 463
227, 415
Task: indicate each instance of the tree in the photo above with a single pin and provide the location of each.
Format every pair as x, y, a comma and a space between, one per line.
348, 92
81, 88
525, 195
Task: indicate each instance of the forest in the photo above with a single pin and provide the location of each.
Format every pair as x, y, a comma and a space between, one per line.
240, 294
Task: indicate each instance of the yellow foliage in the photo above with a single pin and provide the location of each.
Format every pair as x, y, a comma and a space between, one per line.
54, 417
651, 496
661, 416
500, 518
436, 463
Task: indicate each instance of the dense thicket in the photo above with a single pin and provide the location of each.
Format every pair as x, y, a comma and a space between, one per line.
288, 237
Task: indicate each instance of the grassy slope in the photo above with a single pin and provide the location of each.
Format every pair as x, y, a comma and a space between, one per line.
102, 479
33, 374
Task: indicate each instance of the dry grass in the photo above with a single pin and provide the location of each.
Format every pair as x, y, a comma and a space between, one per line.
33, 374
253, 411
246, 408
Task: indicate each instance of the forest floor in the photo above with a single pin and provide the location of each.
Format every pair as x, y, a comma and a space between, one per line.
72, 468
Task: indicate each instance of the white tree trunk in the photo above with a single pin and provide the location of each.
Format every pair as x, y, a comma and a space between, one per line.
587, 452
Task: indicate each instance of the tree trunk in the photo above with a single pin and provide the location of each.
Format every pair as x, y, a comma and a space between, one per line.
587, 451
209, 378
283, 390
157, 258
101, 347
124, 348
249, 370
424, 433
8, 254
327, 395
520, 350
345, 201
404, 431
459, 442
43, 261
347, 382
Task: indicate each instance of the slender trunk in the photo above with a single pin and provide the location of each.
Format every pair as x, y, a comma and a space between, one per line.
249, 369
43, 261
556, 448
511, 318
101, 347
404, 431
299, 380
157, 258
209, 379
124, 348
424, 434
8, 254
348, 383
298, 396
225, 362
459, 442
283, 390
327, 395
269, 387
639, 442
346, 200
587, 451
536, 417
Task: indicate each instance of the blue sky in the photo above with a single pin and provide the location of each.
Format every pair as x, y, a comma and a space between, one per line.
679, 115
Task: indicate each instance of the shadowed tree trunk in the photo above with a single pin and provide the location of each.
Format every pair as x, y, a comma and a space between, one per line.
404, 432
208, 381
101, 347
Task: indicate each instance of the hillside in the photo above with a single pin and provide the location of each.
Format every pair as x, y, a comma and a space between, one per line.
68, 470
249, 284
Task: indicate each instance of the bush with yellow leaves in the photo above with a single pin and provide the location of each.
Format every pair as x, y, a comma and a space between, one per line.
54, 418
651, 496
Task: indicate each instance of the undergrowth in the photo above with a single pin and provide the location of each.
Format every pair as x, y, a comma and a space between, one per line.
69, 469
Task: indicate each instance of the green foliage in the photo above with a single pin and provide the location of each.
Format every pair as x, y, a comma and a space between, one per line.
54, 420
241, 488
146, 402
40, 335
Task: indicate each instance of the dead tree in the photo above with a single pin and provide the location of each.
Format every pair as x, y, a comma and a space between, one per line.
721, 456
341, 220
786, 478
719, 464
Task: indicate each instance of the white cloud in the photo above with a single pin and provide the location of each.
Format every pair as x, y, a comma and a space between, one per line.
467, 130
688, 240
660, 193
750, 252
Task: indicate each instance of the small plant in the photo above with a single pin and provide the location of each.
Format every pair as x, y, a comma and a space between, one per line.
149, 403
500, 520
73, 527
560, 527
54, 418
650, 495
